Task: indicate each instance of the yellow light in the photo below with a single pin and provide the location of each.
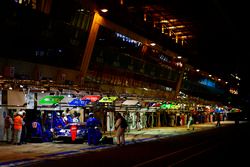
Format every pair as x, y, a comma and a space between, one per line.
181, 26
172, 27
164, 21
178, 33
173, 20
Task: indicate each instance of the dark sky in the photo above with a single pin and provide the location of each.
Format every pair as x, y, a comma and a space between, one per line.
222, 42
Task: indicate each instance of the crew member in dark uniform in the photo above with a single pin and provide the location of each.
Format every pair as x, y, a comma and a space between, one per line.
94, 134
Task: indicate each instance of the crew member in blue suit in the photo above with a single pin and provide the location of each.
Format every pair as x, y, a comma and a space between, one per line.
58, 121
36, 129
48, 128
93, 131
69, 116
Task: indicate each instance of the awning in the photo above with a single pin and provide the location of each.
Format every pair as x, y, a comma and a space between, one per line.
50, 100
106, 99
79, 102
92, 98
156, 105
130, 102
233, 110
165, 106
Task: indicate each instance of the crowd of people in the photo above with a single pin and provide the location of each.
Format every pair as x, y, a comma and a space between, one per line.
18, 129
15, 129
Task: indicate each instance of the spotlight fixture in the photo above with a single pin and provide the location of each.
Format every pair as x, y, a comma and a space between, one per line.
104, 10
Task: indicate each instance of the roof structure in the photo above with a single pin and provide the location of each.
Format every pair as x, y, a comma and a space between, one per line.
210, 34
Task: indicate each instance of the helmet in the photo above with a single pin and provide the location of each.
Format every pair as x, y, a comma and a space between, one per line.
20, 113
91, 114
23, 112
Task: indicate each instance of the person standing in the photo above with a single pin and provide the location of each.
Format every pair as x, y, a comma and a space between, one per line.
93, 132
76, 117
18, 123
24, 128
120, 130
64, 118
69, 116
138, 121
58, 121
48, 128
8, 127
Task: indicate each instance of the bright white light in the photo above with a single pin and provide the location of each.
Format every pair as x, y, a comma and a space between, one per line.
153, 44
104, 10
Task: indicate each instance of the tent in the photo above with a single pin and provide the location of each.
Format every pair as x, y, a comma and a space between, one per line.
92, 98
79, 102
106, 99
50, 100
165, 106
130, 102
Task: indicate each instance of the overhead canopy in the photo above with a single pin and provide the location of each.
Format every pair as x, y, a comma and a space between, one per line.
165, 106
92, 98
79, 102
106, 99
235, 110
130, 102
50, 100
156, 105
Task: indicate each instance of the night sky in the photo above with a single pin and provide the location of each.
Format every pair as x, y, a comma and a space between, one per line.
221, 45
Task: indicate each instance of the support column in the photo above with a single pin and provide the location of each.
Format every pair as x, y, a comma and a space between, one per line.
178, 86
158, 119
3, 112
35, 101
90, 45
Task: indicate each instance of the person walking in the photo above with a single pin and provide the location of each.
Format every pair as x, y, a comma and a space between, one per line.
217, 116
190, 121
8, 127
94, 134
18, 123
120, 129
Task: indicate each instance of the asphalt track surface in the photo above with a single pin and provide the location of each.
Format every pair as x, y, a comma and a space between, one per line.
205, 146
